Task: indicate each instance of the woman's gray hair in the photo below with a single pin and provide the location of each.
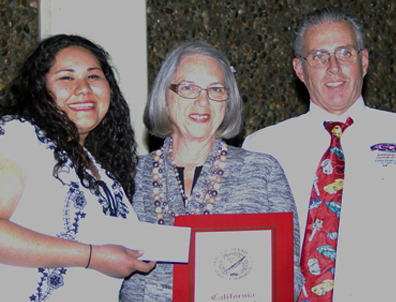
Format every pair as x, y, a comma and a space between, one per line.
155, 115
325, 15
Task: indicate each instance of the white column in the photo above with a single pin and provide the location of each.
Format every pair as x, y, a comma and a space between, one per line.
120, 27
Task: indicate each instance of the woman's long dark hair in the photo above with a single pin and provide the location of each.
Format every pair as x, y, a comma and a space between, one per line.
111, 143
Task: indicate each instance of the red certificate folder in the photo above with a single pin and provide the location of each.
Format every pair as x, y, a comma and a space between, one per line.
280, 226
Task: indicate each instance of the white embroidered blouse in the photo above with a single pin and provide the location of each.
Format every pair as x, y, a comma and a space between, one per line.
66, 210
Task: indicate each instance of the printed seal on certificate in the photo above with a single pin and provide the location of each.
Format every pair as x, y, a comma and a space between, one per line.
233, 264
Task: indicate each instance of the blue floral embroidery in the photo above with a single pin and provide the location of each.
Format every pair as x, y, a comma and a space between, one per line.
76, 198
53, 278
74, 204
2, 131
80, 201
112, 204
43, 138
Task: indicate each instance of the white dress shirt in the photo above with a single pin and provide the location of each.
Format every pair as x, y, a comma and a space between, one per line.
366, 263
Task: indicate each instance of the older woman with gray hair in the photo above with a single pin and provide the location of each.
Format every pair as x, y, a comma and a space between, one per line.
194, 105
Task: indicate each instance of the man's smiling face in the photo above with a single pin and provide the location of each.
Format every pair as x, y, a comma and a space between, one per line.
334, 87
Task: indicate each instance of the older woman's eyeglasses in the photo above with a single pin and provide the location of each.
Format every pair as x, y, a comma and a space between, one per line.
345, 55
188, 91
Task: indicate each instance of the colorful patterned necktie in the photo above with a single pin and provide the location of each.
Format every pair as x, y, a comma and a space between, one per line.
318, 254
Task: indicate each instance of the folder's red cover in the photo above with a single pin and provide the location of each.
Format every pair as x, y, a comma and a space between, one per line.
281, 226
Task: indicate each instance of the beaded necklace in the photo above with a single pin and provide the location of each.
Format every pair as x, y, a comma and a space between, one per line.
161, 198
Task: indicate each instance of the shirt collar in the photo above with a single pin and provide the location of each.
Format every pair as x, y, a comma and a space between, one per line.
355, 111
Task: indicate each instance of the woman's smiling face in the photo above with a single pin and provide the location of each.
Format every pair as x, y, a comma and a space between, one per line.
197, 119
79, 87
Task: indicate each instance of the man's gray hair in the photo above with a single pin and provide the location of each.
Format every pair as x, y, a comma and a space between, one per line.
325, 15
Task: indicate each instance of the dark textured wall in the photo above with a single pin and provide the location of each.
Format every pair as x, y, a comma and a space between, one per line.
256, 36
18, 34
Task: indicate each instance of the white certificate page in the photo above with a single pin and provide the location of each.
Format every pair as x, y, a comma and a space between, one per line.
233, 266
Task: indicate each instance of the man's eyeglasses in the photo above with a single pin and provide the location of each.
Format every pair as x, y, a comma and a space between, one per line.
345, 55
188, 91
